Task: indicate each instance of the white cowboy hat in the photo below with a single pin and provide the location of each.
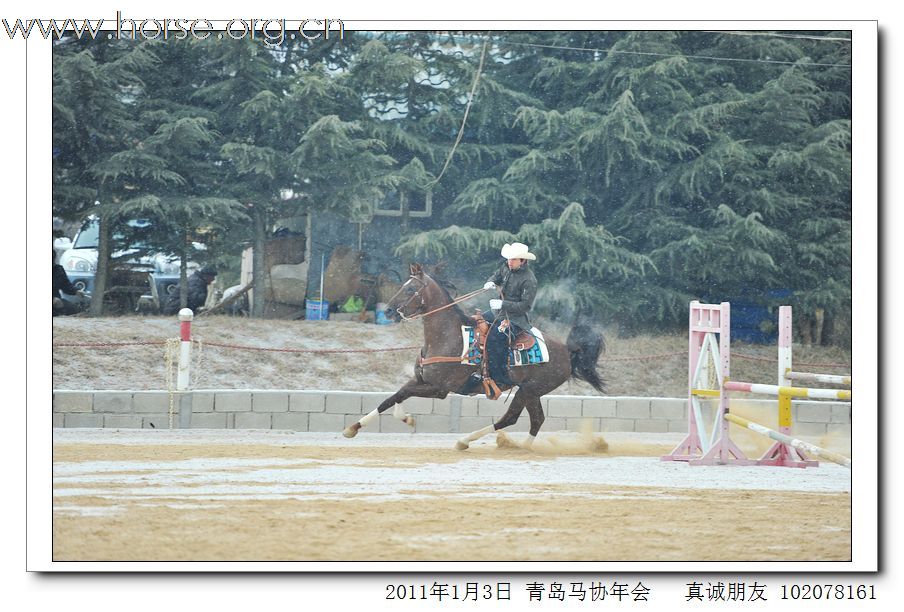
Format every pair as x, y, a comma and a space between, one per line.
517, 250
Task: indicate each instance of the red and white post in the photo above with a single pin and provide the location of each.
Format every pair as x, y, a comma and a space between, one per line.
183, 378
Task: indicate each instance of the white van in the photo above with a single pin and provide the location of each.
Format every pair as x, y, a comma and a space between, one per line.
129, 283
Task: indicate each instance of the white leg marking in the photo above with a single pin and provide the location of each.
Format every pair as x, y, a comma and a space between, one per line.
370, 416
465, 442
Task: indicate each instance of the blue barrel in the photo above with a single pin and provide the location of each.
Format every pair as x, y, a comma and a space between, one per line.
381, 318
317, 310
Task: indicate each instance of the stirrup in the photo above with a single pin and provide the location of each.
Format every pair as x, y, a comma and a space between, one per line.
492, 391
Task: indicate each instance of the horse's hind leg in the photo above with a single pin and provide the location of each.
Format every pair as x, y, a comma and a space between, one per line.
413, 388
535, 411
509, 418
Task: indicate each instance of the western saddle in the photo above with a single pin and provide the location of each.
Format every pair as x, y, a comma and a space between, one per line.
523, 341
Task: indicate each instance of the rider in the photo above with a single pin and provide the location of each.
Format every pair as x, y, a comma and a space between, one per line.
518, 287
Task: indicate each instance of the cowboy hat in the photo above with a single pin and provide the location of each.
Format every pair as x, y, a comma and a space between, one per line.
517, 250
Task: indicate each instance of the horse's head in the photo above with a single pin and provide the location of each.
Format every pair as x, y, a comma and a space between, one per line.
418, 295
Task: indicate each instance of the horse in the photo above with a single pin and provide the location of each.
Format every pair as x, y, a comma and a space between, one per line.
421, 296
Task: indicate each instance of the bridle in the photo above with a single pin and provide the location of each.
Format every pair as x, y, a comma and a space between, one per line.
417, 294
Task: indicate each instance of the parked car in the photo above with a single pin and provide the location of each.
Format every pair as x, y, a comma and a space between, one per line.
130, 282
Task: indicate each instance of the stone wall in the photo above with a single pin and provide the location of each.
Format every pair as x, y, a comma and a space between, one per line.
333, 410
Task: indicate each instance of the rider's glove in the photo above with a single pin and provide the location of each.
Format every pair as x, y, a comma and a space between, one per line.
496, 304
490, 285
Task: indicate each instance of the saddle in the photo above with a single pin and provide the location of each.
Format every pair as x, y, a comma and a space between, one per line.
481, 333
522, 342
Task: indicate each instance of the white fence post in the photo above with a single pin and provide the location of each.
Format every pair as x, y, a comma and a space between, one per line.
785, 332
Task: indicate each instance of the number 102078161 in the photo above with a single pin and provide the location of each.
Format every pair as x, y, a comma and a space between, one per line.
828, 591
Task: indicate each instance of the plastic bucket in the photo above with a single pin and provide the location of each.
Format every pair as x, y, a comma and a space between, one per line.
380, 317
317, 310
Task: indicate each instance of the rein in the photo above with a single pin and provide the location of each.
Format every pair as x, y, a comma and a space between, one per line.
467, 296
422, 361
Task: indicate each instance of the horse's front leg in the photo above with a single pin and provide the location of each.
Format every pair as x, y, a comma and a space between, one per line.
413, 388
509, 418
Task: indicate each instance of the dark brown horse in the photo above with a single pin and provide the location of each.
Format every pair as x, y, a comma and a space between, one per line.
423, 296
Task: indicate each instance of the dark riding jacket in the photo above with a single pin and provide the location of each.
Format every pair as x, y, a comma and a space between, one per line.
197, 295
197, 291
61, 282
519, 288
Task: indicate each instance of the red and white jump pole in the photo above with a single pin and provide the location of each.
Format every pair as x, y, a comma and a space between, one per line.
784, 452
792, 442
840, 394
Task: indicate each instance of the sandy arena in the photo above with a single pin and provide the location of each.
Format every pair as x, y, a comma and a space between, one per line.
233, 495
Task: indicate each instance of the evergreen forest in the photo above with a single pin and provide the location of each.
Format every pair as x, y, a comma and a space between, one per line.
644, 168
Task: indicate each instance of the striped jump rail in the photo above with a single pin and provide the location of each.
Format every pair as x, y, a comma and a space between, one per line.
836, 394
793, 442
829, 379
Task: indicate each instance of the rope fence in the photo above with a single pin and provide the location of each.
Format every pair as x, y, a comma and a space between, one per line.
207, 343
109, 344
315, 351
796, 363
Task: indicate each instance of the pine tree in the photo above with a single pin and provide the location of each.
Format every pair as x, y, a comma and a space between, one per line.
294, 142
97, 87
721, 177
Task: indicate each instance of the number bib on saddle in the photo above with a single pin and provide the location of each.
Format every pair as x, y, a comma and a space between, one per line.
537, 353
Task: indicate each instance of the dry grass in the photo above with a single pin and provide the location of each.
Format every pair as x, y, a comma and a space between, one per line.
143, 367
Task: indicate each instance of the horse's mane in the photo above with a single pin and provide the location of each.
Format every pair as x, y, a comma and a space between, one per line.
445, 285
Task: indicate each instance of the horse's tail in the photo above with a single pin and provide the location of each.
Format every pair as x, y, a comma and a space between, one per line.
586, 344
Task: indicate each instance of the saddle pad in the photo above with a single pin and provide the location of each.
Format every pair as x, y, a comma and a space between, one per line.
538, 353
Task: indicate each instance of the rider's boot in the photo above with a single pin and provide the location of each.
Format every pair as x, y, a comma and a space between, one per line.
471, 385
501, 374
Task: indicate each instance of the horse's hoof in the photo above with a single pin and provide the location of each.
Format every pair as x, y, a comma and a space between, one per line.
409, 420
352, 430
461, 445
